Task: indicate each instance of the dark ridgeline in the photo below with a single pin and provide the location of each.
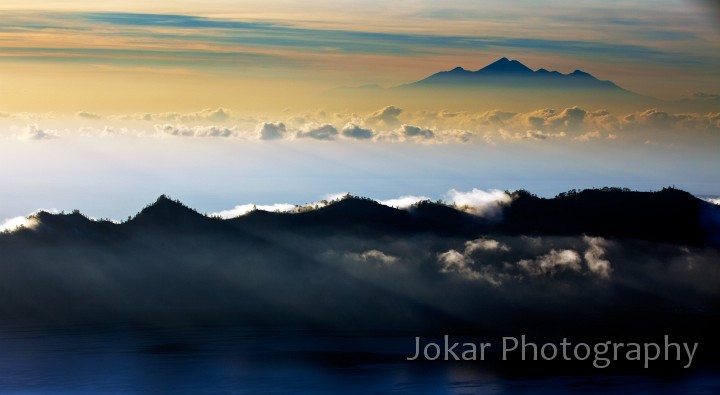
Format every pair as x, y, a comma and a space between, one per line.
668, 216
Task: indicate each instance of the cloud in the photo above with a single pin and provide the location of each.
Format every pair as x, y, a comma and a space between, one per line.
373, 256
34, 132
552, 262
496, 117
403, 201
652, 117
704, 95
216, 115
318, 132
206, 115
194, 131
567, 119
588, 136
335, 196
462, 263
454, 262
29, 221
270, 130
714, 200
354, 131
576, 123
493, 127
537, 135
246, 208
655, 119
87, 115
484, 245
414, 131
594, 254
479, 202
386, 116
12, 224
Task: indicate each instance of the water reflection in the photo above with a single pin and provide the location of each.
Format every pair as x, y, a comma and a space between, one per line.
251, 361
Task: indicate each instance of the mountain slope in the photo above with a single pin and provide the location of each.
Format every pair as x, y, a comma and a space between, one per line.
356, 264
669, 216
503, 84
513, 74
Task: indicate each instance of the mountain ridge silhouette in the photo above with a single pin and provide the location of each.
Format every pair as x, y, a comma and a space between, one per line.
514, 74
511, 85
668, 216
589, 261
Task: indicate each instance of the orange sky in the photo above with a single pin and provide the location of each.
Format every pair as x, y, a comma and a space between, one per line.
157, 55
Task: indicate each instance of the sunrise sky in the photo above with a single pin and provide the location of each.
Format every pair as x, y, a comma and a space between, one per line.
185, 55
105, 105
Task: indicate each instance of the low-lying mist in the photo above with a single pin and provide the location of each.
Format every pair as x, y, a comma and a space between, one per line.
170, 266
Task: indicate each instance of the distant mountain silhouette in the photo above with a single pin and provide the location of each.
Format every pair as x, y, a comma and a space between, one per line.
669, 216
513, 74
507, 84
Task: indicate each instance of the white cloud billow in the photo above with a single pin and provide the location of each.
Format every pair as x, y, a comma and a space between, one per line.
270, 130
403, 201
12, 224
552, 262
453, 261
414, 131
195, 131
86, 115
484, 245
373, 256
318, 132
588, 136
462, 263
334, 196
206, 115
385, 116
246, 208
34, 132
29, 221
594, 254
384, 126
479, 202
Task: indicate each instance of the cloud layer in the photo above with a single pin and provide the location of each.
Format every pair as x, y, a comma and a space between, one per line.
392, 124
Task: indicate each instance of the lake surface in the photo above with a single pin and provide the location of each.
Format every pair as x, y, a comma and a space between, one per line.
251, 361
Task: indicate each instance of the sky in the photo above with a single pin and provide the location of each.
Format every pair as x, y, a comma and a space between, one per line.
189, 55
106, 105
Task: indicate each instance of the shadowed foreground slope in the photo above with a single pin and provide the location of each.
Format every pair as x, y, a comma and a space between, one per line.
600, 260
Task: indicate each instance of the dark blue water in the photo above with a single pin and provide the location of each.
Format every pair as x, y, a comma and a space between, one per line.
245, 361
